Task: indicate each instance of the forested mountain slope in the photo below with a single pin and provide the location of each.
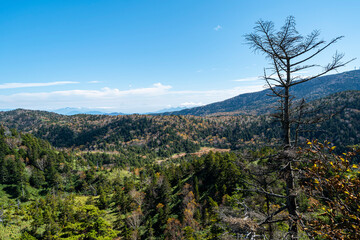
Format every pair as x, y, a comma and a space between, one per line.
166, 135
343, 128
260, 103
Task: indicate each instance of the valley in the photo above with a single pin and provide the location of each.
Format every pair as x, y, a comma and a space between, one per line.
179, 120
149, 175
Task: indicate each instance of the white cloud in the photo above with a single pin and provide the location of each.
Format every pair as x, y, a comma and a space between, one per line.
94, 82
249, 79
191, 104
26, 85
157, 96
217, 28
105, 92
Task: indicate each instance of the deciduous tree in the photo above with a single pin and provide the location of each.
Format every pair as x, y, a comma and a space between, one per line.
334, 184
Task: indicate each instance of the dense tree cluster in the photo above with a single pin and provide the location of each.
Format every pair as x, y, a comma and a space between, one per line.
49, 194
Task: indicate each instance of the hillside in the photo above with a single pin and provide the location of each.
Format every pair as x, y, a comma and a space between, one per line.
163, 136
260, 103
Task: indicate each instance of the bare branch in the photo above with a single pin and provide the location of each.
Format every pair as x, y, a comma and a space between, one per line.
335, 64
273, 214
317, 52
300, 68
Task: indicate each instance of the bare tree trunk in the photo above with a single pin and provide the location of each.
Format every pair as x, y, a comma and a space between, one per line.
271, 232
286, 120
291, 202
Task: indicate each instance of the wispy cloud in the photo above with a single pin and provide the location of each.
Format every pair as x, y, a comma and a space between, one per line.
191, 104
217, 28
26, 85
157, 96
94, 82
106, 92
249, 79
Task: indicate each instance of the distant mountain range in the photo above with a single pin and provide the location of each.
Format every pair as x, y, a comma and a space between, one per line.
165, 110
80, 110
74, 111
258, 103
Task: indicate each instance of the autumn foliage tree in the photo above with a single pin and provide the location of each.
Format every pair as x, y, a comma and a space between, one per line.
333, 181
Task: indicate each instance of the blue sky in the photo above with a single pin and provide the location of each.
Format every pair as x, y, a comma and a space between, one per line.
143, 56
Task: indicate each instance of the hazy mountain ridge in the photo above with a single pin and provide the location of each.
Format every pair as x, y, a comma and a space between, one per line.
260, 103
166, 135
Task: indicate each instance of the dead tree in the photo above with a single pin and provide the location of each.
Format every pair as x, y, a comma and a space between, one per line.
289, 54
